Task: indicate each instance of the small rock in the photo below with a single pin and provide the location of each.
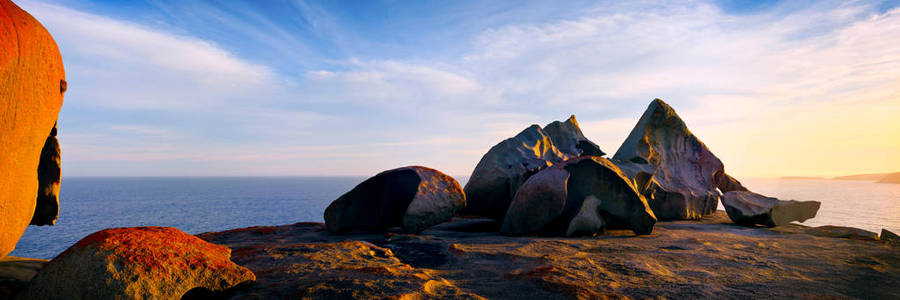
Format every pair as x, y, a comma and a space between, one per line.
748, 208
412, 197
674, 170
136, 263
581, 196
507, 165
889, 237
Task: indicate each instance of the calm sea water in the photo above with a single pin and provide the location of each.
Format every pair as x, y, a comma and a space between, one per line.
197, 205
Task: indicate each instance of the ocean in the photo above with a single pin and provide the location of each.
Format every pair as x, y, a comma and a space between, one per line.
196, 205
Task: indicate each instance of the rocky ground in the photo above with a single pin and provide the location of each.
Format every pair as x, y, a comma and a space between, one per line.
466, 258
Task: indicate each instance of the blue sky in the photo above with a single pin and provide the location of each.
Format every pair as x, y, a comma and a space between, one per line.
248, 88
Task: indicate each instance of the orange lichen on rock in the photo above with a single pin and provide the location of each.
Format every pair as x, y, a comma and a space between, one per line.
137, 263
31, 75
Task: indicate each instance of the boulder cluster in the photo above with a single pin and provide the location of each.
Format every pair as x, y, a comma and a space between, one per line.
553, 181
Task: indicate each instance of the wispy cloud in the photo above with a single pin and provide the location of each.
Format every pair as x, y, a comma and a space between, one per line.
775, 92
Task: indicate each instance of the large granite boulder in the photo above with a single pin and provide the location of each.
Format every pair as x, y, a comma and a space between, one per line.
414, 198
508, 164
32, 82
674, 170
748, 208
581, 196
136, 263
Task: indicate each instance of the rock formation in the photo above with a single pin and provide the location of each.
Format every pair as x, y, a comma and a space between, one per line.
708, 258
748, 208
412, 197
674, 170
889, 237
32, 82
580, 196
507, 165
46, 209
16, 273
136, 263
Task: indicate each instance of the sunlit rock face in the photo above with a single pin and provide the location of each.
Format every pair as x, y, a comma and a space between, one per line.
674, 170
508, 164
32, 82
579, 197
414, 198
748, 208
136, 263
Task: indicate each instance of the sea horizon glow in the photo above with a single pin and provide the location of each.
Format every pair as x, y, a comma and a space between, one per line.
297, 88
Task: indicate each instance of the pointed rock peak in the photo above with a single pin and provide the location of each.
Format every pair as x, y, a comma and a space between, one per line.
567, 136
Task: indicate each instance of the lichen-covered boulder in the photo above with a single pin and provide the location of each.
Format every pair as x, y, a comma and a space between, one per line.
508, 164
136, 263
414, 198
674, 170
32, 82
749, 208
581, 196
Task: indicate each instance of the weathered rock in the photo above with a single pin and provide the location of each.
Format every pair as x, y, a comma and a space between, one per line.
889, 237
412, 197
674, 170
47, 206
136, 263
16, 273
580, 196
708, 258
843, 232
31, 73
507, 165
748, 208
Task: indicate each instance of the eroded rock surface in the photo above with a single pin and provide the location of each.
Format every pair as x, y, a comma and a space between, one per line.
136, 263
707, 258
31, 74
507, 165
413, 197
748, 208
46, 209
16, 273
580, 196
674, 170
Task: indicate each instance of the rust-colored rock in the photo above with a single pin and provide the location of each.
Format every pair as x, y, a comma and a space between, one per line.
31, 72
136, 263
672, 167
507, 165
412, 197
708, 258
582, 196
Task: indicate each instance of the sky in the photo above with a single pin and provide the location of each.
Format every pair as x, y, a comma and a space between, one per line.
332, 88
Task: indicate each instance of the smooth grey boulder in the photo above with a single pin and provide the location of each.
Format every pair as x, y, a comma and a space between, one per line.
582, 196
748, 208
413, 197
671, 167
507, 165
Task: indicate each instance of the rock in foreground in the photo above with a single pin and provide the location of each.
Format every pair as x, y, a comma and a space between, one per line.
710, 258
413, 197
674, 170
507, 165
136, 263
748, 208
579, 197
31, 94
